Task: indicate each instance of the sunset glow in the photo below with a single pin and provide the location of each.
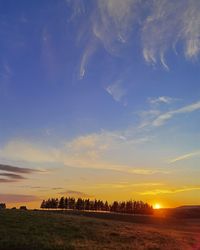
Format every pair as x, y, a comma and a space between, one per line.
100, 99
157, 206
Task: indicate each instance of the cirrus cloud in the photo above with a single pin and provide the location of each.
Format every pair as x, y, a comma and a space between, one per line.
161, 119
170, 191
161, 26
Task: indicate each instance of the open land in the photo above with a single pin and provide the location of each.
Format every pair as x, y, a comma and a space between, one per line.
57, 230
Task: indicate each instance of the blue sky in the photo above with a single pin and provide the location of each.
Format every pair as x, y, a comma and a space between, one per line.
104, 94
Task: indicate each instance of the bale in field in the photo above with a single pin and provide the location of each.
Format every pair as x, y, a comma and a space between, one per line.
23, 208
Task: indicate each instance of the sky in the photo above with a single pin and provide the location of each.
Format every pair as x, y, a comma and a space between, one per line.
100, 99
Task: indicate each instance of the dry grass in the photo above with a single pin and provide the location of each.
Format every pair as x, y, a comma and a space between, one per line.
22, 230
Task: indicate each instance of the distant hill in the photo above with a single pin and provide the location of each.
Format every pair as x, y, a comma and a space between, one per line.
189, 207
186, 211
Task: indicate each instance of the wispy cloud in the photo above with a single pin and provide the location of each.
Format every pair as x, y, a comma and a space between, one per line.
161, 119
57, 188
114, 23
14, 174
167, 24
107, 22
126, 185
22, 150
77, 8
14, 169
18, 198
185, 157
170, 191
2, 180
161, 99
82, 152
117, 91
87, 54
76, 194
88, 152
161, 26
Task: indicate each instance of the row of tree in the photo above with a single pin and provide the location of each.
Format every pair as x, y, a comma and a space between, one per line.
131, 207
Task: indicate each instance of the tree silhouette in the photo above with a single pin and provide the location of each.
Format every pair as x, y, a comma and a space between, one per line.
66, 206
43, 204
130, 207
106, 206
61, 203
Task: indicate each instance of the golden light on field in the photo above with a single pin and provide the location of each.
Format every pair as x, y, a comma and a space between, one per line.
157, 206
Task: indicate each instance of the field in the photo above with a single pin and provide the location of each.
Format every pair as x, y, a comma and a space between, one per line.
45, 230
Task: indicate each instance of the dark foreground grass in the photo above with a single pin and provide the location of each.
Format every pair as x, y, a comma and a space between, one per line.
37, 230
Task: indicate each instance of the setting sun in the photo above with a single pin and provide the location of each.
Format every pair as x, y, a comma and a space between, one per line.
157, 206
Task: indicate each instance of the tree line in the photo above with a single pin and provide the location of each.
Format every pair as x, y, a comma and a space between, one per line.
130, 207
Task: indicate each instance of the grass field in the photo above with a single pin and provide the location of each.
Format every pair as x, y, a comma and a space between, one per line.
28, 230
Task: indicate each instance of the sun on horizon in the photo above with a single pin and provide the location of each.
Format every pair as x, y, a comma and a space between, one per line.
157, 206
